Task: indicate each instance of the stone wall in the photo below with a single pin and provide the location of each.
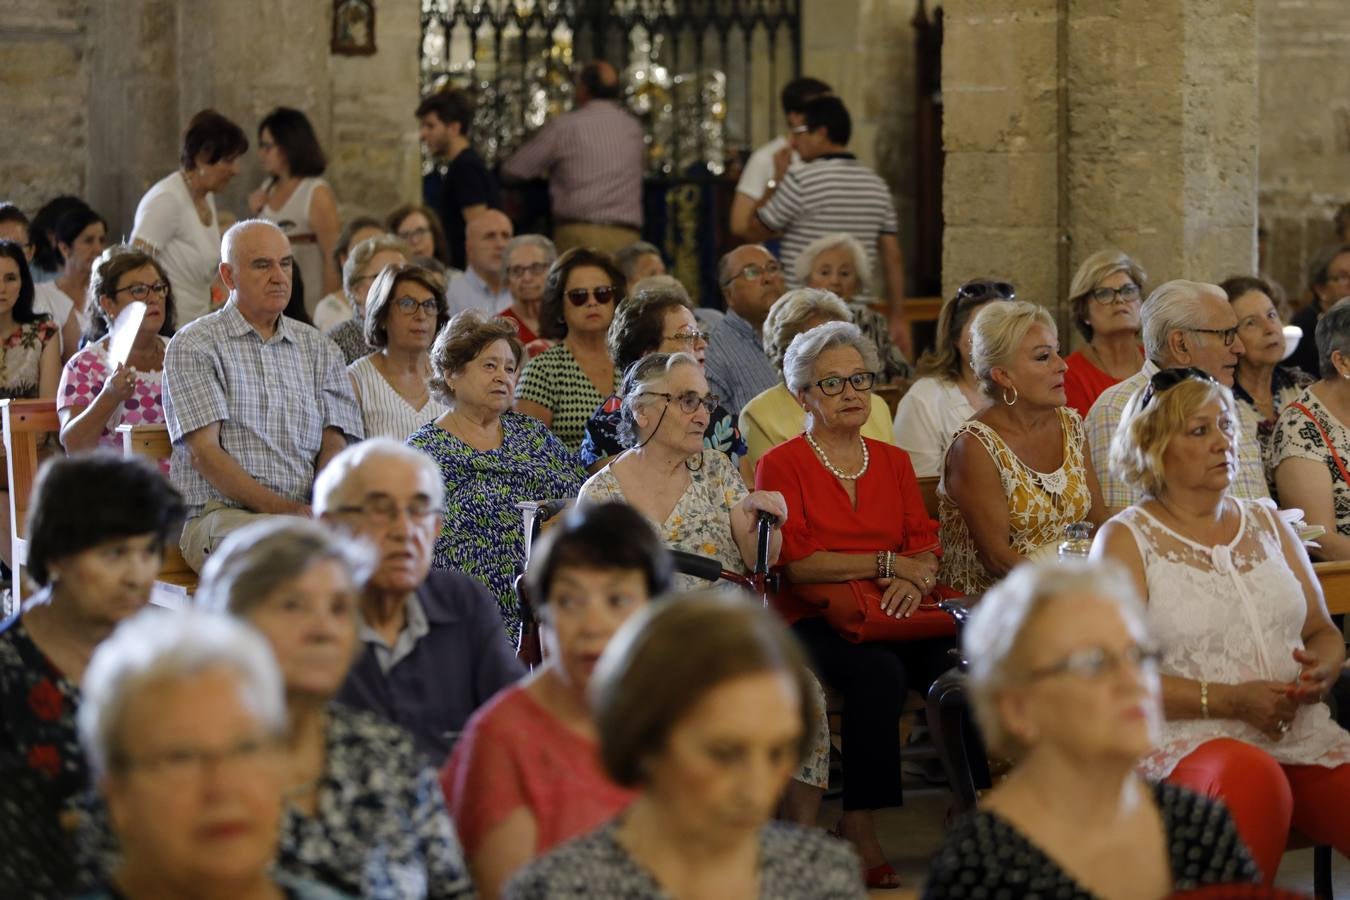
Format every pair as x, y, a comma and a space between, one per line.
1305, 130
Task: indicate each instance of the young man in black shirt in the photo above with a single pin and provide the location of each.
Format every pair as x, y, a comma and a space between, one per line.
459, 186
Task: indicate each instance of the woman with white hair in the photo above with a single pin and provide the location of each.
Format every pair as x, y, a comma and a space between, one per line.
525, 263
862, 556
838, 263
184, 720
1019, 471
1075, 818
1104, 300
1250, 650
776, 415
364, 264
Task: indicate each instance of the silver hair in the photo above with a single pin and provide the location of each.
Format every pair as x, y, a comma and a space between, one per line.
790, 312
360, 256
1333, 335
799, 363
997, 334
724, 264
260, 557
155, 647
1174, 306
627, 257
806, 260
528, 240
998, 625
641, 375
230, 238
336, 479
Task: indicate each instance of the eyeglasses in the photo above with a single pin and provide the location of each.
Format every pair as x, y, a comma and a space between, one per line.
414, 234
141, 291
834, 385
754, 272
409, 306
1105, 295
1096, 662
983, 290
1166, 379
1227, 334
798, 129
183, 765
531, 269
579, 296
689, 401
688, 338
382, 509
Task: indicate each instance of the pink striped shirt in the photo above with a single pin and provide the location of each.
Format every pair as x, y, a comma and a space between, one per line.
593, 158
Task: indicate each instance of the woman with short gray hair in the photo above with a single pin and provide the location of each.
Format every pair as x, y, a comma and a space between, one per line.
1019, 471
525, 264
184, 721
364, 264
1310, 448
1057, 637
775, 415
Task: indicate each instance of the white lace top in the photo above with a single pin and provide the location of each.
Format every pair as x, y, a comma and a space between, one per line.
1229, 613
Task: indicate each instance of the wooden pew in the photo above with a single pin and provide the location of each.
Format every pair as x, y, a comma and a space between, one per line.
153, 441
1335, 579
25, 424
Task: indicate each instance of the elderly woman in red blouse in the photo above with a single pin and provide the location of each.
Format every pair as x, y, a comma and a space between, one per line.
862, 558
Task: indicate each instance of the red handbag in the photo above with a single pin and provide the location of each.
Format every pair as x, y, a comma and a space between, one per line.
854, 609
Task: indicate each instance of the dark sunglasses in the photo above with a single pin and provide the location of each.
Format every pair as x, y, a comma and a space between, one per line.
1166, 379
986, 290
578, 296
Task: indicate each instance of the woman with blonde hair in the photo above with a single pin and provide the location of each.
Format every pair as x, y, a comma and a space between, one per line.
1104, 300
1019, 471
947, 392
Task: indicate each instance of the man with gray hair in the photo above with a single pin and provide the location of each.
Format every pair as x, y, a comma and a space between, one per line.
1186, 323
255, 403
736, 366
433, 649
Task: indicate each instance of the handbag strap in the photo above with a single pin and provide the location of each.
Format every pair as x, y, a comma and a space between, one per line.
1345, 477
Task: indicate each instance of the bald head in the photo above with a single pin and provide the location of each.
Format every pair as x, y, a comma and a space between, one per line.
485, 237
598, 81
256, 266
243, 234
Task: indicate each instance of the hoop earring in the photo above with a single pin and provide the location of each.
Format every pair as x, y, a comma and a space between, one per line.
1014, 397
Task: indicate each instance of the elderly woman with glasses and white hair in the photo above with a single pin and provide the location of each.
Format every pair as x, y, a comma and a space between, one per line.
1020, 471
184, 721
1249, 649
838, 263
526, 260
858, 545
947, 391
776, 415
1063, 680
1104, 300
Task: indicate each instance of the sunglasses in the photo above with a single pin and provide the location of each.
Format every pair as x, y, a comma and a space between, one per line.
1166, 379
579, 296
984, 290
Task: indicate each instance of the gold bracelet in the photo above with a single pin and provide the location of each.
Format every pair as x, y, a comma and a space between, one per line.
1204, 699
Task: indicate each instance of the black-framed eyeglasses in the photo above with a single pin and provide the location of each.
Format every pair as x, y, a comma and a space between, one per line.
689, 401
834, 385
1096, 662
986, 290
385, 510
1166, 379
410, 305
1228, 335
142, 291
688, 338
535, 269
755, 271
603, 295
1126, 293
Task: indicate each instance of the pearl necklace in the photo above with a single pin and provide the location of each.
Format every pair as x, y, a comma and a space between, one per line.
831, 466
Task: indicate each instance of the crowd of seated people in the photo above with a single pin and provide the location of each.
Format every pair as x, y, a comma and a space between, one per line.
347, 676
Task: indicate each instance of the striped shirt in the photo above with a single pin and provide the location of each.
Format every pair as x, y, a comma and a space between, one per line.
735, 364
829, 195
384, 410
593, 158
272, 399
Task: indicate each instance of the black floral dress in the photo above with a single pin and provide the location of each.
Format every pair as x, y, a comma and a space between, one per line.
41, 769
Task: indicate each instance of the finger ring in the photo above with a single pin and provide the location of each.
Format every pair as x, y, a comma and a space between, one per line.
926, 579
1283, 727
909, 596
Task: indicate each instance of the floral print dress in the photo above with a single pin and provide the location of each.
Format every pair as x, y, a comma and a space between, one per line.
42, 768
21, 357
483, 533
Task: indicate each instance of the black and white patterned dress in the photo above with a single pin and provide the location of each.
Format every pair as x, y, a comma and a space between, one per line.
985, 857
1299, 437
555, 381
796, 863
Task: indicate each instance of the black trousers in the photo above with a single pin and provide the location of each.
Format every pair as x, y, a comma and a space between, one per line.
873, 679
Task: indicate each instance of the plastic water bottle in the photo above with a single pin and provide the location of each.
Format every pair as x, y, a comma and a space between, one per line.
1077, 542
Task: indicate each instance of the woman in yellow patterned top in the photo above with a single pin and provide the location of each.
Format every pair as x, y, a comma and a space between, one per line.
1019, 471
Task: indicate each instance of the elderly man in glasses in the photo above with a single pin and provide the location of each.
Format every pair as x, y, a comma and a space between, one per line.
737, 367
432, 648
1185, 323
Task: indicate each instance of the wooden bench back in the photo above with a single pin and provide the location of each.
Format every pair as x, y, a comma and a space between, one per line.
26, 423
152, 441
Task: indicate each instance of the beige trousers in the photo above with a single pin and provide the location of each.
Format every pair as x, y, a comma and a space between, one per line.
606, 238
206, 531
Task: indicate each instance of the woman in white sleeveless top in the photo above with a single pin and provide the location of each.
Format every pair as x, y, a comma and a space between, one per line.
298, 200
1248, 648
404, 311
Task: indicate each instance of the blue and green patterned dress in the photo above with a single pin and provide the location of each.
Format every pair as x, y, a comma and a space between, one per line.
483, 535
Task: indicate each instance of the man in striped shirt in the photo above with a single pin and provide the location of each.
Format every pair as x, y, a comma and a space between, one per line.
593, 157
831, 192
